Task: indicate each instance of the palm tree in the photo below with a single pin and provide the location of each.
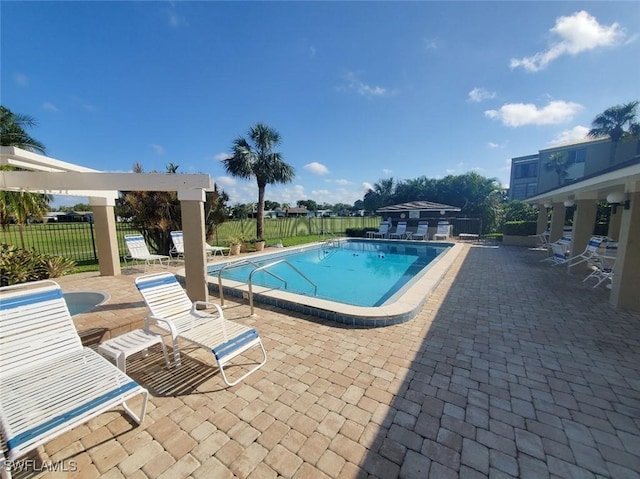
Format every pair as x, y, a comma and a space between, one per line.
558, 163
12, 131
612, 123
19, 204
258, 160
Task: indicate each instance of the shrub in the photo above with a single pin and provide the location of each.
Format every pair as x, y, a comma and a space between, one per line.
519, 228
18, 265
358, 232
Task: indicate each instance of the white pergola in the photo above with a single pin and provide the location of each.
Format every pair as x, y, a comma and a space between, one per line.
42, 174
621, 184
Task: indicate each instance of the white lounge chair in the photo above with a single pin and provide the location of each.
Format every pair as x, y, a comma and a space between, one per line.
602, 269
400, 232
422, 231
559, 251
383, 231
171, 310
50, 382
138, 251
443, 231
177, 250
177, 237
590, 251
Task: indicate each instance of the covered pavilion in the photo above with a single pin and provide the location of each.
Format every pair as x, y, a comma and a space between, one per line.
620, 187
41, 174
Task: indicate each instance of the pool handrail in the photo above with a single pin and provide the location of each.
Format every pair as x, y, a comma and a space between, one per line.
236, 265
264, 268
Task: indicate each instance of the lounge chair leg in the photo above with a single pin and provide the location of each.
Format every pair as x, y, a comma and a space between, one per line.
143, 409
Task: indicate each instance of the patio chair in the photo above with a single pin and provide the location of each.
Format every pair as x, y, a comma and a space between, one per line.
422, 231
400, 232
590, 251
559, 251
171, 310
443, 231
383, 231
138, 251
50, 382
177, 250
602, 269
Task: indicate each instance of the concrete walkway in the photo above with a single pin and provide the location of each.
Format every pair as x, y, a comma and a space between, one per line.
513, 368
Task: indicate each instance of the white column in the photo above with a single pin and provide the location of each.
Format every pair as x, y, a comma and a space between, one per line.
193, 228
106, 237
626, 278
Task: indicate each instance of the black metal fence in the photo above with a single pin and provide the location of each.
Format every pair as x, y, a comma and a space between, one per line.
78, 240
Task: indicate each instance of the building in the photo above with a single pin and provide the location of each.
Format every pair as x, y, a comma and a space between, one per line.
564, 164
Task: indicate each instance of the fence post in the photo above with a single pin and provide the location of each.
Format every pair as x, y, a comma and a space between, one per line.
93, 240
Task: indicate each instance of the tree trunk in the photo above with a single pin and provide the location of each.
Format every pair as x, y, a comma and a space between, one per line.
260, 213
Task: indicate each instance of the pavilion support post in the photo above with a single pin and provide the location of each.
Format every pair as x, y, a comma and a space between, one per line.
557, 222
584, 219
543, 220
104, 220
614, 224
193, 229
626, 278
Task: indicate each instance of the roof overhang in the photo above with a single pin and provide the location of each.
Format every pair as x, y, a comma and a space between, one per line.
422, 206
626, 180
55, 177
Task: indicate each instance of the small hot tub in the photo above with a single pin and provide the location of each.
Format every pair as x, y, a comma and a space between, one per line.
84, 301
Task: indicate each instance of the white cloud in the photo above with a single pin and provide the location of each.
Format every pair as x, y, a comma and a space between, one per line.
21, 79
174, 18
491, 144
366, 186
387, 171
353, 83
49, 106
430, 44
157, 148
576, 133
316, 168
577, 33
221, 156
520, 114
480, 94
225, 181
342, 182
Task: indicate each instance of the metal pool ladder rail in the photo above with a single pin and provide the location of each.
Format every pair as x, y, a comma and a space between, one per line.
237, 265
265, 267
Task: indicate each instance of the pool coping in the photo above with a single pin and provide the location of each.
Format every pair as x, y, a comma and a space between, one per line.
403, 309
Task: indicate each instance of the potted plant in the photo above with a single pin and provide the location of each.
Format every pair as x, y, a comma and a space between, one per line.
259, 244
235, 243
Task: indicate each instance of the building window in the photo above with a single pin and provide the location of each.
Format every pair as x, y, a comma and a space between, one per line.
526, 170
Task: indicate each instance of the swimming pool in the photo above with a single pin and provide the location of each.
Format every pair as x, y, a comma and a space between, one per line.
84, 301
358, 282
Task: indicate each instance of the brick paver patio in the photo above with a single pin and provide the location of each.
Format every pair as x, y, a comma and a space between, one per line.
513, 368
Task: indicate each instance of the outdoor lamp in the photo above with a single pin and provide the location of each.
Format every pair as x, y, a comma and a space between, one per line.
617, 198
548, 205
569, 203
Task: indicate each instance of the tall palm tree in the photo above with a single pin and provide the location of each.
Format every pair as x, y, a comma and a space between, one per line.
612, 123
558, 163
12, 131
19, 204
258, 160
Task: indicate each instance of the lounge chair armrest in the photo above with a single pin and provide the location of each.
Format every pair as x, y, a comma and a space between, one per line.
169, 324
207, 304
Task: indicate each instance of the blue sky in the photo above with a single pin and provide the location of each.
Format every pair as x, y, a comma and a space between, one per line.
359, 91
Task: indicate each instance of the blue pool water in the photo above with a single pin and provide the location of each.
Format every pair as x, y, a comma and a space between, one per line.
83, 301
357, 273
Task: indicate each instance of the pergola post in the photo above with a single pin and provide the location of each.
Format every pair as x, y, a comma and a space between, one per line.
626, 279
584, 219
106, 238
557, 222
614, 224
543, 219
195, 256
